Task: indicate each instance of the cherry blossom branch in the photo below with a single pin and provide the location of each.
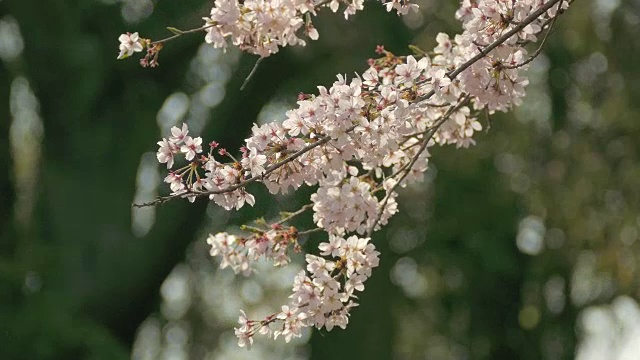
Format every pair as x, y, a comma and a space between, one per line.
322, 140
542, 43
260, 28
486, 50
408, 167
423, 143
483, 52
345, 140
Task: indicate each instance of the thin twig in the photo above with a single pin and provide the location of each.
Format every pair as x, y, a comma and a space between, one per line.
253, 71
183, 32
294, 214
310, 231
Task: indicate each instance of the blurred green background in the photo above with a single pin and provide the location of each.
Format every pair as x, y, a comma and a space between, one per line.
522, 247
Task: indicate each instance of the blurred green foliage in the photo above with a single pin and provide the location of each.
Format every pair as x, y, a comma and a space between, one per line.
454, 282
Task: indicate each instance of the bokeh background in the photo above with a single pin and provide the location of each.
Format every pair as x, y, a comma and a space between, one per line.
522, 247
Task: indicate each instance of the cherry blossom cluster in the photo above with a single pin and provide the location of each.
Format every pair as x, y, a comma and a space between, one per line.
263, 26
345, 207
495, 81
188, 180
322, 296
259, 27
240, 253
357, 141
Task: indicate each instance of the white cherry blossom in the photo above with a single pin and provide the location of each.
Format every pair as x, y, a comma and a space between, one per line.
129, 43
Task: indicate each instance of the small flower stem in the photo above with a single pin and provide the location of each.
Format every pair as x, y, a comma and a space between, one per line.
294, 214
253, 71
310, 231
183, 32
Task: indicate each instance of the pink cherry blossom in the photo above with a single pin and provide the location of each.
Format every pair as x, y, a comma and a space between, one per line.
191, 147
